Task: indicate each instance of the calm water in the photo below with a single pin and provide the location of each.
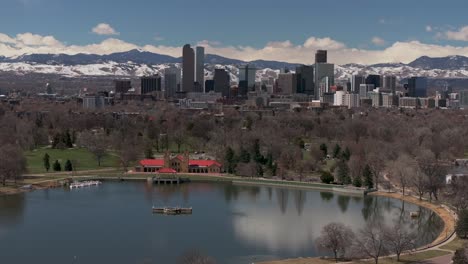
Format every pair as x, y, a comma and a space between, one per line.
113, 223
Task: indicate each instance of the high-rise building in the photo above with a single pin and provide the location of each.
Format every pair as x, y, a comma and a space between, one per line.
222, 82
305, 79
321, 56
246, 79
122, 86
188, 68
324, 76
287, 83
200, 67
417, 87
209, 86
150, 84
352, 100
373, 79
389, 83
356, 81
171, 82
93, 102
463, 94
339, 98
376, 98
364, 90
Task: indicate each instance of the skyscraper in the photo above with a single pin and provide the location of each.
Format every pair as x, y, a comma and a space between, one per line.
417, 87
356, 81
171, 81
373, 79
389, 83
222, 82
324, 78
321, 56
200, 67
246, 79
150, 84
305, 79
286, 83
188, 68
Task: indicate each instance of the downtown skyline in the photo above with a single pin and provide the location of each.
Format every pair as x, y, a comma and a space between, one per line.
362, 32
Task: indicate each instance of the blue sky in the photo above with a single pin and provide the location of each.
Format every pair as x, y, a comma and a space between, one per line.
361, 24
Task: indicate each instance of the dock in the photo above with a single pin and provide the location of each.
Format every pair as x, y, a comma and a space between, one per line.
168, 180
171, 210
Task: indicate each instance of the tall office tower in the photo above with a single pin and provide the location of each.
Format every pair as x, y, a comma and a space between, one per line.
389, 83
305, 79
321, 56
222, 82
417, 87
150, 84
188, 69
200, 67
246, 79
122, 86
286, 83
463, 99
324, 77
373, 79
364, 90
356, 81
209, 86
171, 82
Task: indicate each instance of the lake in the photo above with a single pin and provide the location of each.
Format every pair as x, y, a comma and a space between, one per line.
234, 224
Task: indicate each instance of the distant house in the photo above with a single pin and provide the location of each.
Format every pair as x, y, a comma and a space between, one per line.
178, 164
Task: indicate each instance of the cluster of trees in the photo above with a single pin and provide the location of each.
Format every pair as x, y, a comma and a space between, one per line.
372, 241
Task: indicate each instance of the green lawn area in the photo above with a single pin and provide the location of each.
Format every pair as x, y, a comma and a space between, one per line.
86, 160
456, 244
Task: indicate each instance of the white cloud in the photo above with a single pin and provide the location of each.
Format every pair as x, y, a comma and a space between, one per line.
428, 28
378, 41
460, 34
287, 51
158, 38
104, 29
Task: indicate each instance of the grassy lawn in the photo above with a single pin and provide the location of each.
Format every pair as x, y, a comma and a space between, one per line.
455, 244
86, 160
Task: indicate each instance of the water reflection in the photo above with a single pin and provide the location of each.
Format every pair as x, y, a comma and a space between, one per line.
11, 211
343, 202
326, 196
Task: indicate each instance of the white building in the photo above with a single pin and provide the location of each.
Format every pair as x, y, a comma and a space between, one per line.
352, 100
339, 98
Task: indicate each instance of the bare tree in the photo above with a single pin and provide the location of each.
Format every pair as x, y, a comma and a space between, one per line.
371, 242
195, 257
96, 143
337, 238
419, 182
402, 170
399, 240
12, 163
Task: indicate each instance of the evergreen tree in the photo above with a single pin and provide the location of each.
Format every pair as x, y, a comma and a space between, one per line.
244, 156
326, 177
336, 151
57, 166
462, 224
149, 152
230, 159
460, 256
357, 181
343, 173
68, 139
46, 160
346, 154
324, 149
367, 176
257, 156
68, 166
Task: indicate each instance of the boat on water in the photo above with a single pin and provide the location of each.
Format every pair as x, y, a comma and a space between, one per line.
82, 184
172, 210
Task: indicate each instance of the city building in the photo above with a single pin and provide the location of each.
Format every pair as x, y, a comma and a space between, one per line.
246, 79
364, 89
188, 69
321, 56
328, 98
408, 102
356, 81
222, 82
388, 100
122, 86
150, 84
179, 164
209, 86
376, 98
200, 68
287, 83
426, 102
373, 79
305, 79
93, 102
171, 82
463, 95
324, 78
417, 87
389, 83
352, 100
339, 99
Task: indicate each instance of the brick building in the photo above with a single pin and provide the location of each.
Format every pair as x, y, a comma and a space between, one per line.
179, 164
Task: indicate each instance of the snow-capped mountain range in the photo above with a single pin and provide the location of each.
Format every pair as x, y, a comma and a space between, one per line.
140, 63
